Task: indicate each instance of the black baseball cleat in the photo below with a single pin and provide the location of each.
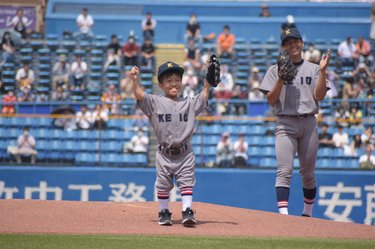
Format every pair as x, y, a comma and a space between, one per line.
188, 219
165, 218
305, 215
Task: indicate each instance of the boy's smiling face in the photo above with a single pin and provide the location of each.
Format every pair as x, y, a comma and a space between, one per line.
171, 85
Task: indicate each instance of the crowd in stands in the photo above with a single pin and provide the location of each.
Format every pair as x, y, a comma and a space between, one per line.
72, 73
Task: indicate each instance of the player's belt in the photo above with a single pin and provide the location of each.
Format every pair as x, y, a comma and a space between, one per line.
296, 116
173, 151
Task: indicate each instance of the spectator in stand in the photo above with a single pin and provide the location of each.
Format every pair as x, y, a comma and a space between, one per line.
355, 145
240, 151
20, 23
140, 121
342, 115
84, 118
130, 51
362, 51
362, 77
148, 26
79, 72
126, 87
265, 12
26, 95
255, 94
224, 90
346, 52
193, 29
189, 83
9, 108
225, 153
112, 99
61, 73
85, 23
26, 147
350, 89
312, 54
148, 54
113, 53
225, 43
341, 138
25, 77
288, 24
100, 116
355, 116
60, 94
332, 79
238, 108
192, 57
137, 144
368, 136
254, 78
367, 161
325, 137
7, 47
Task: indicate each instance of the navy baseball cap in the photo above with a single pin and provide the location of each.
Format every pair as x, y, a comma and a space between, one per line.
290, 32
169, 66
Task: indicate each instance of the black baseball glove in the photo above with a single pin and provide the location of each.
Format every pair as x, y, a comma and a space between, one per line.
287, 71
213, 71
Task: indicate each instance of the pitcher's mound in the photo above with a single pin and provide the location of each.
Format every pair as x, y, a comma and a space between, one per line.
73, 217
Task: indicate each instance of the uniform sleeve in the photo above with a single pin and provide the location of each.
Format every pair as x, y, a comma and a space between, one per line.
147, 104
199, 102
269, 80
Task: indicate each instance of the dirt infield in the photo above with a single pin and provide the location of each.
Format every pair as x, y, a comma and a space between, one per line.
70, 217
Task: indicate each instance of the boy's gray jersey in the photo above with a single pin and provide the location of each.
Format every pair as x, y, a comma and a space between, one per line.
173, 121
298, 98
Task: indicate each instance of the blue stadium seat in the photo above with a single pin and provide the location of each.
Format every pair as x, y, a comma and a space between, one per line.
267, 162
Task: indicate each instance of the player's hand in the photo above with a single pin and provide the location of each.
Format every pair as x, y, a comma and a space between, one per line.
325, 60
134, 73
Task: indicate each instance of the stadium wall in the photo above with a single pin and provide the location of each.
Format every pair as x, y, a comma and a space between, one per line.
347, 196
315, 20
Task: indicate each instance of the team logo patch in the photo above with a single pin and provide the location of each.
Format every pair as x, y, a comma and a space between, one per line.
287, 31
169, 65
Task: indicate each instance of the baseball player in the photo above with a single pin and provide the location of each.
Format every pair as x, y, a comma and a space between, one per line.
294, 101
172, 118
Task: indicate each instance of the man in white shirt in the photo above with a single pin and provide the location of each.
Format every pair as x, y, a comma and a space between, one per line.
346, 51
341, 139
26, 147
84, 118
138, 143
85, 23
240, 151
20, 23
25, 77
79, 70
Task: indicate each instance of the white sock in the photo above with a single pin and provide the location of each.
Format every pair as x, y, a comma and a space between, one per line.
283, 210
163, 204
186, 201
307, 208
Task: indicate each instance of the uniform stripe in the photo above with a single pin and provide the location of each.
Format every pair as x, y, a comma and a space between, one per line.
186, 191
282, 204
163, 195
309, 201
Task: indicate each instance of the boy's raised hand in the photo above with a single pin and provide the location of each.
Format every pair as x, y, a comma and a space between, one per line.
134, 73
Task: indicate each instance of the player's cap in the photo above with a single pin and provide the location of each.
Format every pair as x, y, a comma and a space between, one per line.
290, 32
169, 66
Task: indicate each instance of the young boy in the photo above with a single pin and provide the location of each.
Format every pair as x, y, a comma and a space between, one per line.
172, 118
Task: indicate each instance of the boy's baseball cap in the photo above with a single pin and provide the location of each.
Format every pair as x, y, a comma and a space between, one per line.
290, 32
169, 66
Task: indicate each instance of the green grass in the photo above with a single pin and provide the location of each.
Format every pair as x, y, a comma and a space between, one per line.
16, 241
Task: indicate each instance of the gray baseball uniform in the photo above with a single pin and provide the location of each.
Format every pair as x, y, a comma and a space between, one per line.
296, 123
173, 123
